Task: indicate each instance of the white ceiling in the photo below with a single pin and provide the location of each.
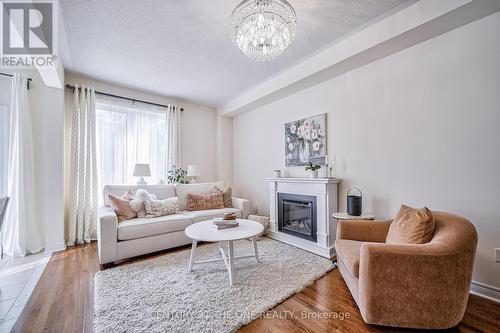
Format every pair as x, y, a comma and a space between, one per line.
182, 48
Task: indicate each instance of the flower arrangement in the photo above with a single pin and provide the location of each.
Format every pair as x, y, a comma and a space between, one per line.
305, 141
313, 167
177, 176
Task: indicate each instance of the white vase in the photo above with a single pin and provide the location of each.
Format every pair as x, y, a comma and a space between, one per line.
313, 174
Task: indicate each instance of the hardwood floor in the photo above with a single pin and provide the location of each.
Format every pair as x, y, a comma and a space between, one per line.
63, 302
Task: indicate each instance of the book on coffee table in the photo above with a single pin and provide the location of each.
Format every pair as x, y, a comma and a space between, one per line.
220, 221
224, 226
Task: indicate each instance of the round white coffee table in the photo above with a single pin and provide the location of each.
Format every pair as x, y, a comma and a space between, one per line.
205, 232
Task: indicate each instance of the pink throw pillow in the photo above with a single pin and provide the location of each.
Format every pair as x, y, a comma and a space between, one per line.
214, 200
122, 206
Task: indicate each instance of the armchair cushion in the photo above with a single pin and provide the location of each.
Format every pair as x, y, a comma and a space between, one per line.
349, 251
366, 231
411, 226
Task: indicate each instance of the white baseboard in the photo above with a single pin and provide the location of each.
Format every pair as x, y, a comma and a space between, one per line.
49, 248
485, 290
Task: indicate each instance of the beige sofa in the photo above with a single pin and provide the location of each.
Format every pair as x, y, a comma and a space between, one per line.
422, 286
117, 241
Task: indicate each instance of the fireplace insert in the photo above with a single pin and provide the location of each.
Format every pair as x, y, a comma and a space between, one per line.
297, 215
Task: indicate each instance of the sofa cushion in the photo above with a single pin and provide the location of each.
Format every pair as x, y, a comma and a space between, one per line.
349, 251
411, 226
182, 191
161, 191
203, 215
139, 228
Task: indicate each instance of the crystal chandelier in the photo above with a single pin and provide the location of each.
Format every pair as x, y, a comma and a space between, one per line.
263, 29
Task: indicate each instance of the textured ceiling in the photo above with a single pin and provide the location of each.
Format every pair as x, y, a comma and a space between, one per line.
182, 48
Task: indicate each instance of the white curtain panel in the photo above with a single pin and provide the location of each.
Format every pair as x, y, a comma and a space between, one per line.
83, 211
4, 148
20, 232
173, 136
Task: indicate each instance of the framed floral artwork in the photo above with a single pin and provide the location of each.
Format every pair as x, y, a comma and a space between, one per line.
305, 141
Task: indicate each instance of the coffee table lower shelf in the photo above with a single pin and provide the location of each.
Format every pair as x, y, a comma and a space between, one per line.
228, 259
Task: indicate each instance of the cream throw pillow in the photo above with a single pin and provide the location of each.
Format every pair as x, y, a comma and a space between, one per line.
137, 203
411, 226
157, 208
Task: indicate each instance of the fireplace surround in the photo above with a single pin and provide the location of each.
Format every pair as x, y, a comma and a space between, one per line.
311, 203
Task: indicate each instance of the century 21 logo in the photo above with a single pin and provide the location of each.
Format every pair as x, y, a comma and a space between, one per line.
27, 27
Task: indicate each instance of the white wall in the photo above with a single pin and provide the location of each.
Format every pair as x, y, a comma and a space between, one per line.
419, 127
199, 126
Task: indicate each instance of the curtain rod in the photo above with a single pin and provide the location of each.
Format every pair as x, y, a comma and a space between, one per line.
68, 86
10, 75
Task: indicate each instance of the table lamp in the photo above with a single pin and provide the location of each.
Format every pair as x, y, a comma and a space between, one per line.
142, 170
193, 172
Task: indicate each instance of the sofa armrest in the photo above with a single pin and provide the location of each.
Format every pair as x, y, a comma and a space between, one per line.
362, 230
243, 205
400, 283
107, 234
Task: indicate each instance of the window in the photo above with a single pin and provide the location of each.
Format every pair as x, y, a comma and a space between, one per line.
128, 134
4, 148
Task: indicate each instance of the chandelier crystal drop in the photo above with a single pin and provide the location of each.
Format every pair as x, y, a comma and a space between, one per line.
263, 29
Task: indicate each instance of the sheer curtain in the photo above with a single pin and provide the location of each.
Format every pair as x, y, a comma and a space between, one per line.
134, 132
4, 148
174, 137
20, 233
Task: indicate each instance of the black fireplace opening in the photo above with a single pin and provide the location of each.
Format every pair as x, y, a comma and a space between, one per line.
297, 215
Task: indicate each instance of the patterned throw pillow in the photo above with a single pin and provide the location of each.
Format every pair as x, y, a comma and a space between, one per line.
226, 196
156, 208
212, 200
122, 207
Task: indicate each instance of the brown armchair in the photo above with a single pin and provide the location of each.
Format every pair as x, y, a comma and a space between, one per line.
416, 286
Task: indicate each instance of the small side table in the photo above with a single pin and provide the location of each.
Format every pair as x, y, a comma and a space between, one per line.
347, 217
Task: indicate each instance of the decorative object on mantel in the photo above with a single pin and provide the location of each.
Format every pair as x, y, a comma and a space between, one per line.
193, 171
354, 202
263, 29
177, 176
347, 217
313, 170
277, 173
305, 141
142, 170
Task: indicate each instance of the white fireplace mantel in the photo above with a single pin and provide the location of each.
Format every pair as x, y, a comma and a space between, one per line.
325, 190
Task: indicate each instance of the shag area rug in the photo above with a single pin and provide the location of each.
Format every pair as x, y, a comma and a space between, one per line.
160, 295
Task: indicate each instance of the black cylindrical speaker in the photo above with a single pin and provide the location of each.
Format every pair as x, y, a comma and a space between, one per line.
354, 202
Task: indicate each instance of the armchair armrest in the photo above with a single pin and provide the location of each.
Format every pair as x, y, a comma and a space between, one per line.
243, 205
107, 234
401, 283
364, 231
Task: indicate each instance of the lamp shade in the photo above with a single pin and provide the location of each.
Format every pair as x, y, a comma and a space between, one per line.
193, 171
142, 170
